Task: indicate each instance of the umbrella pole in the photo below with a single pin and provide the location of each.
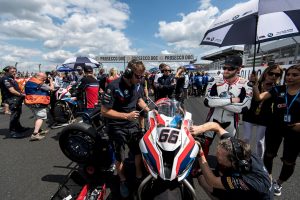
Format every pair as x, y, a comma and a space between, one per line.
254, 56
255, 36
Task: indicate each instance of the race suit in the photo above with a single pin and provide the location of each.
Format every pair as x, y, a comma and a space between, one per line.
218, 98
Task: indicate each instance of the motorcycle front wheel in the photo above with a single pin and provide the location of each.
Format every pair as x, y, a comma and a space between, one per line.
157, 190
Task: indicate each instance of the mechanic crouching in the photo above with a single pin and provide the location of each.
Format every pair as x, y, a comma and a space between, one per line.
239, 174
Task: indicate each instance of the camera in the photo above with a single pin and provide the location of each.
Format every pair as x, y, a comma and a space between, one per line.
48, 74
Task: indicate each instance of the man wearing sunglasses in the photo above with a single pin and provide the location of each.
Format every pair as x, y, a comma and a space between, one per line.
119, 108
166, 83
226, 98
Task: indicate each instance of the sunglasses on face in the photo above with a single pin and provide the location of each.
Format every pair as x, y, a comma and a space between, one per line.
273, 73
229, 68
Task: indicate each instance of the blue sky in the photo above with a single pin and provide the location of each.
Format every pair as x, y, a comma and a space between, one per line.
46, 32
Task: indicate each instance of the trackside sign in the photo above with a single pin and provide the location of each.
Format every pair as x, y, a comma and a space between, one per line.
146, 58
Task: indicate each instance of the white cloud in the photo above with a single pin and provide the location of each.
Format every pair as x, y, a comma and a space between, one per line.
204, 4
166, 52
10, 53
185, 35
188, 32
62, 29
66, 28
57, 56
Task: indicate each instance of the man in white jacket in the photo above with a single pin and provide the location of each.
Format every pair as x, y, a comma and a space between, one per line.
227, 98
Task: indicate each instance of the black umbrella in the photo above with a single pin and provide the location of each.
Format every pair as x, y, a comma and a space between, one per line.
154, 70
190, 67
255, 21
64, 69
75, 62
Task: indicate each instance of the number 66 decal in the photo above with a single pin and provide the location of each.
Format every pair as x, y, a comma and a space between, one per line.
167, 135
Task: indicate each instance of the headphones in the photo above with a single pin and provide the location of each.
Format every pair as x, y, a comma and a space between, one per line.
241, 164
129, 70
128, 73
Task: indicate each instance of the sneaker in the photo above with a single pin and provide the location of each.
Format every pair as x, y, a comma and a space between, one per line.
124, 191
43, 132
15, 134
277, 188
35, 137
7, 113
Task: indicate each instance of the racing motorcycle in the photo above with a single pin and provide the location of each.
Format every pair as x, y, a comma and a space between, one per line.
168, 151
65, 107
86, 144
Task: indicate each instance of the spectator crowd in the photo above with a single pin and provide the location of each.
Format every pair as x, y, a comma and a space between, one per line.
123, 97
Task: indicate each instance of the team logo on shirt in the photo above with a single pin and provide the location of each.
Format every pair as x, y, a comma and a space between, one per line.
226, 94
282, 94
107, 98
229, 181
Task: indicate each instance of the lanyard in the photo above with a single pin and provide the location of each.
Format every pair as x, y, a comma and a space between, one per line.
138, 87
286, 101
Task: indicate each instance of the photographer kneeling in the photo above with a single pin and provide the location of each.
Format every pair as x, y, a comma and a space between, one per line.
239, 173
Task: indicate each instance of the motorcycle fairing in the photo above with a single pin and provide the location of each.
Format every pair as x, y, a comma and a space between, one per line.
153, 151
63, 92
152, 159
188, 152
70, 100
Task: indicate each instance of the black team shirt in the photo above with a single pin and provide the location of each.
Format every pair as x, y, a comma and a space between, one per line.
121, 98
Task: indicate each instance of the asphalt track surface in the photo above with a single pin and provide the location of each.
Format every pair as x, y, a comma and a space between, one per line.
34, 170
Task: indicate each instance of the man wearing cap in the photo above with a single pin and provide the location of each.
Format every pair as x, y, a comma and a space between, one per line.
226, 98
87, 90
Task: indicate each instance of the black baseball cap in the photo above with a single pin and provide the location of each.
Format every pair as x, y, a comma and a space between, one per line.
6, 69
87, 68
234, 61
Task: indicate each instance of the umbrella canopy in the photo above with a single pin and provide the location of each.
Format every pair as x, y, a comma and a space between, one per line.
154, 70
75, 62
64, 69
190, 67
255, 21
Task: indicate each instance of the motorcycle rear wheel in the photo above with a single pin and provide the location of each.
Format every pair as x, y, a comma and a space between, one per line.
77, 142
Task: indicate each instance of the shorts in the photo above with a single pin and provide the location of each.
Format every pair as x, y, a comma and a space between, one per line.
124, 136
39, 113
